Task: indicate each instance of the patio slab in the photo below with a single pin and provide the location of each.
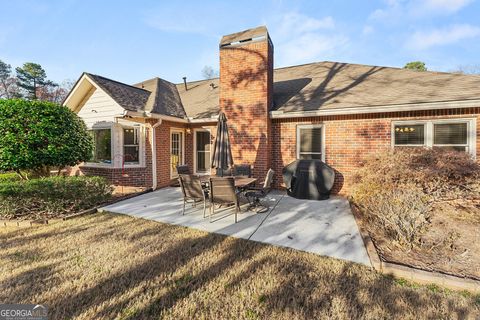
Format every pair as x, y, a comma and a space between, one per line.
322, 227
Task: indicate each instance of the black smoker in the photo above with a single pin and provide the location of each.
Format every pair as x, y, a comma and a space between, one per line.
308, 179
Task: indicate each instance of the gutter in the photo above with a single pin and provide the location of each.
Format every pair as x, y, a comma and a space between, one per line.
154, 153
128, 113
377, 109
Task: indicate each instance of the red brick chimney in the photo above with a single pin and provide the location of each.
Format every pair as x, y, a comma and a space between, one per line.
246, 95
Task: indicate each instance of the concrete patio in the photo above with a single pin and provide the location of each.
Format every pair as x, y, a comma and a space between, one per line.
322, 227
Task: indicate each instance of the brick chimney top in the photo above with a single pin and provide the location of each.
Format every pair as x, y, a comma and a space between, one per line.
249, 35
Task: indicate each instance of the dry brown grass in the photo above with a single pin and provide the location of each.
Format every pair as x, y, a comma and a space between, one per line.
107, 266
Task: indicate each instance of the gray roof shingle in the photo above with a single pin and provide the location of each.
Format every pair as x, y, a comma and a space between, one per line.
309, 87
128, 97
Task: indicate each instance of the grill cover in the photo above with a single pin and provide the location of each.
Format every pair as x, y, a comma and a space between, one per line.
308, 179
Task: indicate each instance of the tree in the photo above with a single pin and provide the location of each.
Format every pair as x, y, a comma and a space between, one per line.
209, 73
36, 135
56, 93
416, 65
31, 77
8, 87
468, 69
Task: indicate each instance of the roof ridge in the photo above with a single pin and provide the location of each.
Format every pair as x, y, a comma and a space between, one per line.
377, 66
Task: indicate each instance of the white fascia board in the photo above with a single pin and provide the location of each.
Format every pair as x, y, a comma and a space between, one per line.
377, 109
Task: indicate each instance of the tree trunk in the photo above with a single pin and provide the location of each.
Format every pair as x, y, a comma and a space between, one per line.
21, 175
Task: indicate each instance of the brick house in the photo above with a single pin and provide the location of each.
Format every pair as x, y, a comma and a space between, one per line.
337, 112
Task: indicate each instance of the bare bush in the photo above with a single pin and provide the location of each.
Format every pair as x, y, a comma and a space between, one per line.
401, 212
439, 173
397, 190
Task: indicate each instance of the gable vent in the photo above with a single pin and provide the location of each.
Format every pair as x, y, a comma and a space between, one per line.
243, 41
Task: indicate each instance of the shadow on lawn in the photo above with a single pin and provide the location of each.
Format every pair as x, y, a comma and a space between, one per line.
304, 285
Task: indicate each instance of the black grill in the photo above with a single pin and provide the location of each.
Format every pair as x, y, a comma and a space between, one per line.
308, 179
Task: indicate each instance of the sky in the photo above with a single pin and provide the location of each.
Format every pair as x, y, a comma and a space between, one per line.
131, 41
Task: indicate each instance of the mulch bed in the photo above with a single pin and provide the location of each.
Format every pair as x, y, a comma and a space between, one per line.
450, 245
120, 193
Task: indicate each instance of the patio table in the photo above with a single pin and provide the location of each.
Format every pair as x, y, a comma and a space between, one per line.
240, 182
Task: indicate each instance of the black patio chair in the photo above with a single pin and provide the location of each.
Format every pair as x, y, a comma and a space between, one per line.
223, 192
242, 170
192, 191
183, 169
223, 172
255, 194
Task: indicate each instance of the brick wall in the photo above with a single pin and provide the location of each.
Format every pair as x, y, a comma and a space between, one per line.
246, 83
351, 138
130, 176
135, 177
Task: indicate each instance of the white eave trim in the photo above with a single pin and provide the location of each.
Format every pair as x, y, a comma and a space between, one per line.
377, 109
136, 114
128, 113
203, 120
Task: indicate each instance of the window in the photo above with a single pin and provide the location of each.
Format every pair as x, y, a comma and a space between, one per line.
451, 136
176, 151
310, 142
202, 149
446, 134
102, 151
131, 145
410, 135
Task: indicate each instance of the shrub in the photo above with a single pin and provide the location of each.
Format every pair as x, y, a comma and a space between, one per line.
402, 213
52, 196
36, 135
397, 190
441, 174
9, 176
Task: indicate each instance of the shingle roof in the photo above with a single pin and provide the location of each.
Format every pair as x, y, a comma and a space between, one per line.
201, 100
309, 87
128, 97
334, 85
164, 98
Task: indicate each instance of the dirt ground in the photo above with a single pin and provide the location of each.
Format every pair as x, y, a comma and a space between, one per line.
451, 244
106, 266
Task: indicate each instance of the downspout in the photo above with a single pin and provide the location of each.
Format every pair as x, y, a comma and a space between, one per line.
154, 153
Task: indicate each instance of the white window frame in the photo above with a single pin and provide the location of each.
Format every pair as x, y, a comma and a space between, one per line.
195, 154
429, 133
310, 126
117, 152
104, 126
182, 161
140, 146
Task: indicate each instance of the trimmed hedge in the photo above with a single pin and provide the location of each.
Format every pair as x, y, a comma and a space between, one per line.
52, 196
8, 177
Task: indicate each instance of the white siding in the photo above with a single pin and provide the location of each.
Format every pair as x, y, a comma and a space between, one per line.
99, 111
99, 108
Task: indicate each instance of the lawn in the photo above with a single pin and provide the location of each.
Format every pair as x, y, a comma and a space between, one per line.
111, 266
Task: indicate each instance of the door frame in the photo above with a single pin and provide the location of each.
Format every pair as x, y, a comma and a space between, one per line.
195, 130
182, 160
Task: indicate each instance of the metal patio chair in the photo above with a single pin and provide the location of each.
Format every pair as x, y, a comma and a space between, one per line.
192, 191
223, 192
183, 169
255, 194
242, 170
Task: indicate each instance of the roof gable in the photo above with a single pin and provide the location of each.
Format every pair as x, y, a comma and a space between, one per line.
128, 97
164, 99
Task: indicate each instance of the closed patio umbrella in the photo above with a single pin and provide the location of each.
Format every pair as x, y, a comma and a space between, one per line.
222, 154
